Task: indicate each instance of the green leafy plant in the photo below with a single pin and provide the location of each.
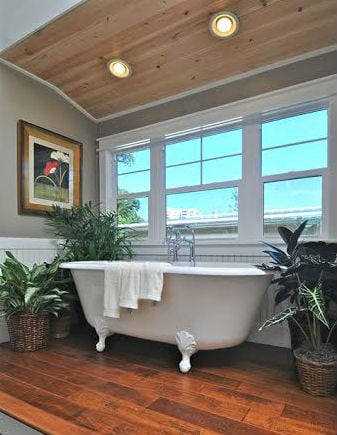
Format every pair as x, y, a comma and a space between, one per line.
312, 305
90, 234
25, 290
307, 280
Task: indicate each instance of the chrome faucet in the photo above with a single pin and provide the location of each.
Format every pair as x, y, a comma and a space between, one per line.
175, 240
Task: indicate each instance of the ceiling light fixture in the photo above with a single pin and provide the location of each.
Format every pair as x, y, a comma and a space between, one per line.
224, 24
119, 68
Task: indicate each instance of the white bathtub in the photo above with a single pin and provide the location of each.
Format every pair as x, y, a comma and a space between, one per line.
210, 306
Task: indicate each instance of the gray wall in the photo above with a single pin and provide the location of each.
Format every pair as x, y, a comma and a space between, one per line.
278, 78
23, 98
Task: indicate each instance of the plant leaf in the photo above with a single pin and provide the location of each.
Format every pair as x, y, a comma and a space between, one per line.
295, 236
279, 317
285, 234
279, 257
315, 301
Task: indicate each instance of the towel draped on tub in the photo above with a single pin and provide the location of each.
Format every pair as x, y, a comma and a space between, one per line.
127, 282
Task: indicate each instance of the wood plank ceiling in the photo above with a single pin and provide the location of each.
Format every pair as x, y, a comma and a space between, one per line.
168, 46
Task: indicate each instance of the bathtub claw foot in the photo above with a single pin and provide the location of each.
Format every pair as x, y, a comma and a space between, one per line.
100, 345
103, 331
187, 346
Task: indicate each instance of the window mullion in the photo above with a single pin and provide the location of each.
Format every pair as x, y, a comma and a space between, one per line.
157, 228
250, 191
108, 181
329, 209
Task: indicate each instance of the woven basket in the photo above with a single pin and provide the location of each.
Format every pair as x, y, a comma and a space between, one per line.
28, 332
316, 378
60, 326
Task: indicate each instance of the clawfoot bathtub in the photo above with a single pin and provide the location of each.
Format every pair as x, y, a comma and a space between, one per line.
210, 306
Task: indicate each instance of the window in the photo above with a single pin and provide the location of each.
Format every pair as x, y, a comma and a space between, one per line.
208, 211
133, 186
290, 202
235, 180
194, 165
294, 145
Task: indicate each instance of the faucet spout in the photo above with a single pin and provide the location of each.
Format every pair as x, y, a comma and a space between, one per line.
176, 240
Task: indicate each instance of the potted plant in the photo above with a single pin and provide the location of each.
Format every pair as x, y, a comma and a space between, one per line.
87, 234
307, 274
90, 234
307, 262
29, 296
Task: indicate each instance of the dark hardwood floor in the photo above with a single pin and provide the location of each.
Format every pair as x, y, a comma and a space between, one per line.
134, 387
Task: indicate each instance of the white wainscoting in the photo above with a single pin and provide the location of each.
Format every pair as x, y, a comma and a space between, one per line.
29, 251
32, 251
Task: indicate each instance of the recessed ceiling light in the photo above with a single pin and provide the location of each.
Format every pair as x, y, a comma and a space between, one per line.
223, 24
119, 68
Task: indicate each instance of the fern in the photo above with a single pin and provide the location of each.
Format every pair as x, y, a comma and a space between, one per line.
89, 234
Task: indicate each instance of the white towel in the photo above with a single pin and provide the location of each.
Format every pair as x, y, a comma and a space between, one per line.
127, 282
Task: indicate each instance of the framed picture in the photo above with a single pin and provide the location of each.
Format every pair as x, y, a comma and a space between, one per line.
49, 170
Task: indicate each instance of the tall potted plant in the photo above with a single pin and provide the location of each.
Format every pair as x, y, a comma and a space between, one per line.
316, 359
308, 262
307, 282
90, 234
87, 234
29, 296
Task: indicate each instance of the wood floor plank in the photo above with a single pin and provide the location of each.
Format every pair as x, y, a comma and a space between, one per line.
137, 396
311, 417
48, 402
74, 356
286, 426
136, 388
80, 373
39, 419
261, 407
246, 371
133, 414
69, 410
45, 382
196, 380
294, 396
219, 407
139, 362
206, 419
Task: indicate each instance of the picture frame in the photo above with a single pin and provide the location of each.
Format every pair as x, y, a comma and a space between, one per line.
49, 170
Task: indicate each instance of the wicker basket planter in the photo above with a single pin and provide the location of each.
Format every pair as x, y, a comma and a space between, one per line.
316, 378
28, 332
60, 326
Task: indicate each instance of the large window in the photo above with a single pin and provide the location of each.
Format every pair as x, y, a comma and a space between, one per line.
234, 179
294, 156
133, 186
202, 173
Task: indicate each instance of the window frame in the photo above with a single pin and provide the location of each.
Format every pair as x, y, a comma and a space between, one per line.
201, 186
293, 175
303, 98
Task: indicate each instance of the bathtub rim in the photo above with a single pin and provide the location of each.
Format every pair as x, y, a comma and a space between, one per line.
228, 269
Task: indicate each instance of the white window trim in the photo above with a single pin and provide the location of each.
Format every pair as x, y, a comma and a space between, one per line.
316, 94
